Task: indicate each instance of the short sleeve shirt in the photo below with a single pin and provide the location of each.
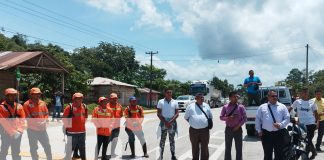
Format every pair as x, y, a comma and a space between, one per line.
305, 110
250, 89
168, 108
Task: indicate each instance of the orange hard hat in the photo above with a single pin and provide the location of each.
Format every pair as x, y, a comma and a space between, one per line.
101, 99
77, 95
35, 90
10, 91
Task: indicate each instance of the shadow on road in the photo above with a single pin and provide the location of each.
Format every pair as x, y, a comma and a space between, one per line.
251, 138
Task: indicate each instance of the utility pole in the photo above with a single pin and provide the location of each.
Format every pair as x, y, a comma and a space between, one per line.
151, 74
307, 46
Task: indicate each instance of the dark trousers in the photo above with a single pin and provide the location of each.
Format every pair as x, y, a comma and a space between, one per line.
102, 141
272, 141
320, 134
57, 112
114, 139
75, 141
310, 135
199, 143
229, 136
132, 133
253, 97
6, 142
42, 137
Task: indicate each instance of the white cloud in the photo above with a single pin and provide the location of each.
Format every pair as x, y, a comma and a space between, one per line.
110, 6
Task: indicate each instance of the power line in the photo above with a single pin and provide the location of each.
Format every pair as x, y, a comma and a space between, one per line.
42, 39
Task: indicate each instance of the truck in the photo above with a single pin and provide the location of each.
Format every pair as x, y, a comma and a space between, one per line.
284, 97
211, 95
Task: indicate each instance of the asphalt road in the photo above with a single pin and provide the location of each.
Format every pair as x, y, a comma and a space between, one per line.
252, 148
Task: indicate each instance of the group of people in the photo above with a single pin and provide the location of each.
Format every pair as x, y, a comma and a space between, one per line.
106, 117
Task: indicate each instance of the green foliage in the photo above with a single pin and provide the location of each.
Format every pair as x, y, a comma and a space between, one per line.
222, 85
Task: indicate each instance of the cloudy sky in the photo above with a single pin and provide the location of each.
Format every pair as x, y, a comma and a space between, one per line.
195, 39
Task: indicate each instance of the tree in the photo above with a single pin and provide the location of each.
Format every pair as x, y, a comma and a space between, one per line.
223, 86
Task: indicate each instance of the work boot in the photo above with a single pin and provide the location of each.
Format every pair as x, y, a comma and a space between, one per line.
132, 147
145, 151
314, 154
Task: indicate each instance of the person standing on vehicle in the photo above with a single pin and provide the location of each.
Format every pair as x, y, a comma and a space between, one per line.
134, 118
37, 116
320, 123
167, 111
234, 115
252, 83
118, 114
198, 131
268, 131
74, 118
101, 117
12, 122
306, 111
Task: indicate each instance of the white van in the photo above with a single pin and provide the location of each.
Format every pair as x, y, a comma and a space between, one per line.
284, 97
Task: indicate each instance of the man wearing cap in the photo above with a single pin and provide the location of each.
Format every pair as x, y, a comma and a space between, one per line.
101, 117
168, 113
134, 118
118, 113
74, 119
12, 124
37, 115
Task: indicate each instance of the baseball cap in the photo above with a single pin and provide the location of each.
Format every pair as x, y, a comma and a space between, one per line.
10, 91
77, 95
35, 90
113, 95
132, 98
101, 99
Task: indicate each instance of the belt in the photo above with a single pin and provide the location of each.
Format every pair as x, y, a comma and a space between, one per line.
198, 129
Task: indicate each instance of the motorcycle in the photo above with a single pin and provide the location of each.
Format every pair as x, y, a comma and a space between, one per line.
298, 141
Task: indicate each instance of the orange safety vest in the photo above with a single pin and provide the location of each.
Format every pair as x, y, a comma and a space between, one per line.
76, 123
36, 114
134, 117
118, 113
103, 120
12, 119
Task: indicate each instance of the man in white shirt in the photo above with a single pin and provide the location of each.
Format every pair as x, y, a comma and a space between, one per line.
168, 113
306, 111
269, 131
198, 131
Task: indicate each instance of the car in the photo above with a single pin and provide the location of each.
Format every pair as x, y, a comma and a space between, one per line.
184, 101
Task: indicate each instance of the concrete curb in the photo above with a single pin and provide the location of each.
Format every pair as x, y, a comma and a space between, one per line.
150, 111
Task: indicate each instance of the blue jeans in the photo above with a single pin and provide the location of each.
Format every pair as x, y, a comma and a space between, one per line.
57, 110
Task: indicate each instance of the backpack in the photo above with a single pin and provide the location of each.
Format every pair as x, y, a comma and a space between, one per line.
130, 113
71, 115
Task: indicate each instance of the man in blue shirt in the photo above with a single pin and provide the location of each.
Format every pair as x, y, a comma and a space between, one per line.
252, 83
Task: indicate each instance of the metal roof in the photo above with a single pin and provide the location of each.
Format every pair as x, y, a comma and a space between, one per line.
29, 61
147, 90
107, 81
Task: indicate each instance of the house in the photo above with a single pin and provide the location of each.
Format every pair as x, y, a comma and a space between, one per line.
104, 87
14, 63
144, 98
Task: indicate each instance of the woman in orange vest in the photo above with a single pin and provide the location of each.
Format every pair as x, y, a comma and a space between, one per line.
134, 118
101, 117
118, 113
37, 116
12, 124
74, 119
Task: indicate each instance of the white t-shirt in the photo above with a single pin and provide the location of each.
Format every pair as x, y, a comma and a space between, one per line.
168, 108
305, 111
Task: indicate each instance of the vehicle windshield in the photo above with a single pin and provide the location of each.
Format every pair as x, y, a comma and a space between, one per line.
201, 88
183, 98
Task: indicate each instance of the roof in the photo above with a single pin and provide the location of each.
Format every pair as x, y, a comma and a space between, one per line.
29, 61
107, 81
147, 90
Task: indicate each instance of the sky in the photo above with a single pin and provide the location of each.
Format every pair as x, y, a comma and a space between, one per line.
195, 39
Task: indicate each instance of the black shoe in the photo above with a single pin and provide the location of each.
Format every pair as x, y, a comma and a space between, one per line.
132, 156
319, 149
313, 156
174, 158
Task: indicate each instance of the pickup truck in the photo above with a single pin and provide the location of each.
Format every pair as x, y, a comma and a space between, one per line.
284, 97
184, 100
